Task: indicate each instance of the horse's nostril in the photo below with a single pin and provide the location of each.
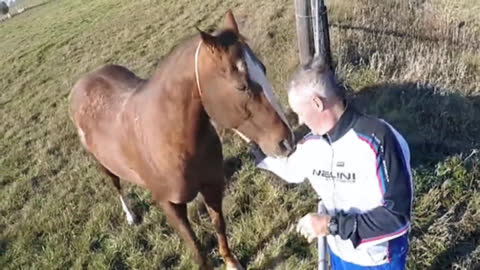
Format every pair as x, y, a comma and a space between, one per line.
286, 146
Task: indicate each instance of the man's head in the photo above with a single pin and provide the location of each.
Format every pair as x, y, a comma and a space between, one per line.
316, 97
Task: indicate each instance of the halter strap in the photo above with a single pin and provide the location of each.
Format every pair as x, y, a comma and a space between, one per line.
197, 78
241, 135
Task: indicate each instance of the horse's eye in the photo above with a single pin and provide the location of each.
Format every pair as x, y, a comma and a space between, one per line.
241, 87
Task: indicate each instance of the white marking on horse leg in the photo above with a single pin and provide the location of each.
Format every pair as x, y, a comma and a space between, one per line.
129, 215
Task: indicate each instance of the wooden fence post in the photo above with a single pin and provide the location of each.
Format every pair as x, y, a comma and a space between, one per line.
321, 32
313, 37
303, 20
314, 41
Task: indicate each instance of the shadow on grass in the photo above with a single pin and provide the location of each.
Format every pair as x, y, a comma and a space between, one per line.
3, 246
436, 123
408, 35
455, 253
231, 165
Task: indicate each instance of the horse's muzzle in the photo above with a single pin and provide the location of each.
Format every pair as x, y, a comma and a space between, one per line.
287, 147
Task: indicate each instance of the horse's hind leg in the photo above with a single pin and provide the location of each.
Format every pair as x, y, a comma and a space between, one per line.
177, 217
212, 197
131, 219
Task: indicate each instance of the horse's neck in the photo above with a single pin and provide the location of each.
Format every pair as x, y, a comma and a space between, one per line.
174, 90
178, 65
176, 71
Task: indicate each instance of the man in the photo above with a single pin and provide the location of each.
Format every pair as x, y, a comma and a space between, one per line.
360, 168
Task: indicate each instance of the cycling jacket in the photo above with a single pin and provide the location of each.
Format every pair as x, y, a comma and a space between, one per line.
361, 172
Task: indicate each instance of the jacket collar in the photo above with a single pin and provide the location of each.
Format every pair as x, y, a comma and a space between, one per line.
344, 124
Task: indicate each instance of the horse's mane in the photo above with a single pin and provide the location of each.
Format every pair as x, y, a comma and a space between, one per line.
226, 38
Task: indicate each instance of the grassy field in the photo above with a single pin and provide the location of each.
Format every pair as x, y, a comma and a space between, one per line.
415, 63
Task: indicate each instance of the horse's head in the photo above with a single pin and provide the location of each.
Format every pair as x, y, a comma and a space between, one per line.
235, 91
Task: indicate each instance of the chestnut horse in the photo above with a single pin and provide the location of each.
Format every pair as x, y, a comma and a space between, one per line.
158, 133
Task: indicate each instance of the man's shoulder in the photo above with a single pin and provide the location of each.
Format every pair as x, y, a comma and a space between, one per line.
309, 137
370, 126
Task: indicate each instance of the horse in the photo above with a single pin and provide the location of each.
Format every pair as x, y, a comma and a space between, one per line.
159, 133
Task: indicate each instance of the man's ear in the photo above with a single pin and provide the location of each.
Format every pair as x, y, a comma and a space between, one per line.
318, 103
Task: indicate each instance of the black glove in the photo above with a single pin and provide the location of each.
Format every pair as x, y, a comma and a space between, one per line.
255, 153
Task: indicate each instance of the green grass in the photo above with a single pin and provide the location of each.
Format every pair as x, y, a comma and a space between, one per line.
406, 61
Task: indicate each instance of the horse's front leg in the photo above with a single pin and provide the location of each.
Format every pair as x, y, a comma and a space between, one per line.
177, 217
212, 196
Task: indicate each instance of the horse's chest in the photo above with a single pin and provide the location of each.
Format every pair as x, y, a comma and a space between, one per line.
184, 176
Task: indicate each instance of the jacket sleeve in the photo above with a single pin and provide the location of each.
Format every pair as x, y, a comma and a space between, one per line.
392, 219
290, 169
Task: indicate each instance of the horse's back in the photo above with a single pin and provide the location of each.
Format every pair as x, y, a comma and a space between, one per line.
101, 91
113, 78
101, 112
120, 77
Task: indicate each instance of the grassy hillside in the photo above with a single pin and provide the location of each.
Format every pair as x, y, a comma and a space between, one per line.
414, 63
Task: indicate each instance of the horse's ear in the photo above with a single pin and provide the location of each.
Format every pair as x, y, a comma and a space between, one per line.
230, 23
210, 41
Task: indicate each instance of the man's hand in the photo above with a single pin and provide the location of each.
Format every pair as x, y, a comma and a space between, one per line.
313, 225
255, 152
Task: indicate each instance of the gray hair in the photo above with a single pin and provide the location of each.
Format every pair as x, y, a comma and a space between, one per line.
316, 78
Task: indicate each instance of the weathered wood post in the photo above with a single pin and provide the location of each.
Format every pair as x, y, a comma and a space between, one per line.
313, 39
321, 32
303, 18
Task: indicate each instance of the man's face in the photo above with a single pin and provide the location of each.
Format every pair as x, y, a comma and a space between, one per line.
305, 109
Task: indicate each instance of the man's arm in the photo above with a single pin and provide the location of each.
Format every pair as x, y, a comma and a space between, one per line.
289, 168
393, 218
